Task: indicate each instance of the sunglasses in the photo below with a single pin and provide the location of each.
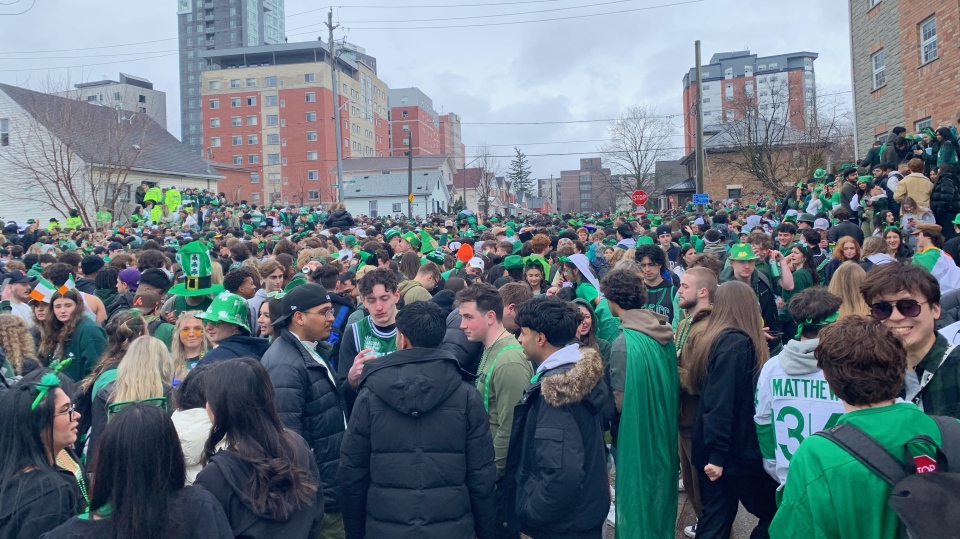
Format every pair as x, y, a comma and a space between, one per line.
195, 331
882, 310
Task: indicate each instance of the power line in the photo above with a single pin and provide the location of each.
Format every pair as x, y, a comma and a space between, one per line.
495, 15
434, 6
93, 56
92, 48
85, 65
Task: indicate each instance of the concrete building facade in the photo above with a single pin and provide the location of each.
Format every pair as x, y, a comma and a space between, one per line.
451, 138
130, 93
785, 83
205, 25
906, 66
270, 109
412, 118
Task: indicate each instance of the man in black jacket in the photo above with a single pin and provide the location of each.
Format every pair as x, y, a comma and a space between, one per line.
844, 227
414, 407
556, 483
308, 401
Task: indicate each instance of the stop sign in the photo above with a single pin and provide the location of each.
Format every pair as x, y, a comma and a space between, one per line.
639, 197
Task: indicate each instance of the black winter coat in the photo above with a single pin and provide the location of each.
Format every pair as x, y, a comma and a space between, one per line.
555, 485
234, 347
724, 433
455, 341
37, 502
845, 228
417, 458
340, 219
226, 476
945, 202
309, 404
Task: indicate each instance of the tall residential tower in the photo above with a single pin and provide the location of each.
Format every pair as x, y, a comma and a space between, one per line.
218, 24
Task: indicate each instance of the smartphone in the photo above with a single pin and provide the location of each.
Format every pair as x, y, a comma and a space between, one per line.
775, 333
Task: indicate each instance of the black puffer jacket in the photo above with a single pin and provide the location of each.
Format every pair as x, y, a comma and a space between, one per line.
945, 202
455, 341
340, 219
236, 346
309, 404
556, 483
417, 459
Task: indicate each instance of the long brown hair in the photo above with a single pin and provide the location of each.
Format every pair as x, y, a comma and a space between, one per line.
58, 333
16, 340
735, 307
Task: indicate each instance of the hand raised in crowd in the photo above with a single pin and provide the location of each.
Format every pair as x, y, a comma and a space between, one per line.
353, 377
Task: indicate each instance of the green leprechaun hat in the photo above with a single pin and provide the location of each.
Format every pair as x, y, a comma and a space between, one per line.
228, 308
741, 252
427, 243
195, 261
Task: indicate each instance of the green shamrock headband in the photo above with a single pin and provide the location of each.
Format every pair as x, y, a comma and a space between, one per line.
48, 382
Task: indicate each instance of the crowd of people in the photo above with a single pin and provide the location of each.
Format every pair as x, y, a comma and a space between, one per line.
306, 373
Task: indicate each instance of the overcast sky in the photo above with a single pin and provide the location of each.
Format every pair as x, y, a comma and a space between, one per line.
580, 68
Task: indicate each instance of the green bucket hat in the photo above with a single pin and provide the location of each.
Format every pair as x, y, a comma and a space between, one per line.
517, 246
433, 256
195, 261
513, 262
956, 220
742, 252
644, 240
390, 233
228, 308
806, 218
819, 173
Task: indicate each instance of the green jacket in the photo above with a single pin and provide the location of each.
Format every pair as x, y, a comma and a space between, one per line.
830, 494
503, 375
86, 345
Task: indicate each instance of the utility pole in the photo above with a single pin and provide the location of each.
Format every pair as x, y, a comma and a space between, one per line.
701, 156
410, 174
336, 104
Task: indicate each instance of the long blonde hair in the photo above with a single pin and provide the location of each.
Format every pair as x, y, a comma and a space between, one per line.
845, 284
16, 341
177, 352
143, 372
735, 307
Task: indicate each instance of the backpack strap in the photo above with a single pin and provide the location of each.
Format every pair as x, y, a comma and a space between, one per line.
867, 450
950, 446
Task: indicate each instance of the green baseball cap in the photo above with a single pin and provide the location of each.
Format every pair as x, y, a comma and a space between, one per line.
412, 239
742, 252
227, 308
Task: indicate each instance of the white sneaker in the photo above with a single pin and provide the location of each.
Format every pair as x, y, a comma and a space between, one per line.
690, 531
680, 486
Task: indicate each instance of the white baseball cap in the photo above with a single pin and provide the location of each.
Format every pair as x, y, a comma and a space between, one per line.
476, 262
821, 224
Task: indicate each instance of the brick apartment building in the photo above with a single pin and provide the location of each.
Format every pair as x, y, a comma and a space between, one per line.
269, 109
906, 66
785, 83
583, 190
412, 115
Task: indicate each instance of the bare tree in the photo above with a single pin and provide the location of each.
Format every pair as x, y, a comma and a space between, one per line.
639, 138
489, 167
73, 155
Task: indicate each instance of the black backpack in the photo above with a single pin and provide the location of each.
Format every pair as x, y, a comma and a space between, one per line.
926, 501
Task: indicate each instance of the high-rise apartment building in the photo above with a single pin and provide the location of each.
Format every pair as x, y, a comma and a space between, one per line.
130, 93
586, 190
206, 25
451, 139
270, 109
905, 64
412, 117
783, 86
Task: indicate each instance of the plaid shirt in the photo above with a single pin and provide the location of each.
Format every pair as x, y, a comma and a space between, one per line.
942, 395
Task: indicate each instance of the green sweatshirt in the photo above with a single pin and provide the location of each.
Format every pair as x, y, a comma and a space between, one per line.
829, 493
503, 375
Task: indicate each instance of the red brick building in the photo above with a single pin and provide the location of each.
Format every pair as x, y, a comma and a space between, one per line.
239, 183
412, 118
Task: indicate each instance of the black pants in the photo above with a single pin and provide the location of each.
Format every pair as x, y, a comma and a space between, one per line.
720, 500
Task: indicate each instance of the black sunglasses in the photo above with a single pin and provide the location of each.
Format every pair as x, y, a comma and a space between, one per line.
882, 310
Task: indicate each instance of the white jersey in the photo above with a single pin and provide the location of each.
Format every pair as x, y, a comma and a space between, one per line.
790, 408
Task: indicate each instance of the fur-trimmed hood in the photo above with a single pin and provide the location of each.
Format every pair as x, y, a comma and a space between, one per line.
571, 384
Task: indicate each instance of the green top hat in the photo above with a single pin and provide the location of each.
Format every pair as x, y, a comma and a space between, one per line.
742, 252
228, 308
513, 262
195, 261
412, 239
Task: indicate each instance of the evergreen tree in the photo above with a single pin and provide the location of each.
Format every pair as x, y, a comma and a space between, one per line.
519, 174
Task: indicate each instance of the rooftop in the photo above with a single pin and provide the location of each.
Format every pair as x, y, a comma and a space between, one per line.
370, 164
385, 185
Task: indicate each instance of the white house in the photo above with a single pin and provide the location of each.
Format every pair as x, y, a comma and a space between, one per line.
364, 166
382, 194
58, 154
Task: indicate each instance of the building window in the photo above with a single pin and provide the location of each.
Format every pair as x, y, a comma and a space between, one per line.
238, 160
273, 159
879, 69
311, 97
214, 122
928, 40
311, 116
252, 140
405, 114
728, 92
273, 177
923, 124
237, 140
312, 155
214, 103
270, 100
311, 136
313, 175
253, 159
273, 139
255, 197
214, 142
234, 102
313, 195
251, 82
270, 81
372, 208
254, 177
309, 77
234, 83
733, 193
214, 85
283, 143
251, 101
236, 121
872, 3
252, 120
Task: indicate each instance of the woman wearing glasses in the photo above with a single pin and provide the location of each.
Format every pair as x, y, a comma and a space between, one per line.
41, 483
140, 489
190, 343
145, 373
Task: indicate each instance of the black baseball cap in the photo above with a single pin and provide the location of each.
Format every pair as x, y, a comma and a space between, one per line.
18, 276
301, 298
114, 245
